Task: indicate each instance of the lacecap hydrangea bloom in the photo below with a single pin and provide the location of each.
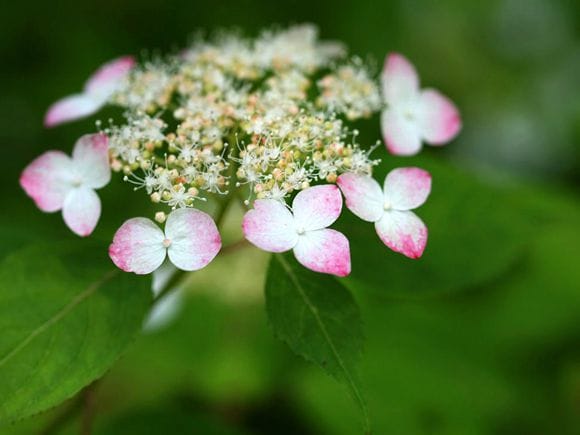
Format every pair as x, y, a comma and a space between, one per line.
265, 121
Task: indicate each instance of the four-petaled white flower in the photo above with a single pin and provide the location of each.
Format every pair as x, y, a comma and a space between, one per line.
191, 241
57, 182
404, 189
413, 116
272, 227
97, 91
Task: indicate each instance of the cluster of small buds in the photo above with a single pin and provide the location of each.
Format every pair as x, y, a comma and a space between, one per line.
224, 91
268, 117
350, 91
297, 152
151, 86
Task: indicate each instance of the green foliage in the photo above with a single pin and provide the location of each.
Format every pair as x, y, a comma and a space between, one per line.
492, 350
65, 315
318, 318
488, 360
221, 352
170, 419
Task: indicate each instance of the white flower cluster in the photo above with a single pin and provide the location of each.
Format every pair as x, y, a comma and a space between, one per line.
267, 117
259, 105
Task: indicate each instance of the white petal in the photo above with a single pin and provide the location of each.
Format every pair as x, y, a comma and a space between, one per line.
71, 108
363, 195
195, 239
81, 210
325, 251
270, 226
48, 179
106, 80
91, 159
438, 117
407, 188
404, 232
317, 207
161, 277
165, 311
399, 79
401, 133
138, 246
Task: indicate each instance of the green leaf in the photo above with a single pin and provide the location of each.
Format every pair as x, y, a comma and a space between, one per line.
65, 315
318, 318
475, 235
488, 358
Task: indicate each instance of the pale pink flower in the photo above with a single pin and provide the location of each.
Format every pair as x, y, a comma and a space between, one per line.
57, 182
97, 91
390, 208
412, 115
191, 241
272, 227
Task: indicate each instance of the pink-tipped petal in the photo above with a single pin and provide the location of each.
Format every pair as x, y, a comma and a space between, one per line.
138, 246
81, 210
399, 79
91, 160
47, 180
407, 188
325, 251
194, 239
401, 133
363, 196
106, 80
317, 207
438, 118
404, 232
270, 226
71, 108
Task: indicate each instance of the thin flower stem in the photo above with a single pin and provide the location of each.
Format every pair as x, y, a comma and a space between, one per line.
88, 416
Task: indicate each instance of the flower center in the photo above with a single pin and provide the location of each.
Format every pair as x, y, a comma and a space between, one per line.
300, 231
166, 243
386, 205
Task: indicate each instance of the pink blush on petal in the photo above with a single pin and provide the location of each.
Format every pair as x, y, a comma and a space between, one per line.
44, 180
324, 251
438, 118
403, 232
138, 246
110, 73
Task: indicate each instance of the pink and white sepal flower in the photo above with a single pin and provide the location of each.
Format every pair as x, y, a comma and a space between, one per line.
413, 115
57, 182
191, 241
97, 91
390, 208
272, 227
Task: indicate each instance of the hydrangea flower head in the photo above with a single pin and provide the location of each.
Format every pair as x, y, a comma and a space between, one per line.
265, 121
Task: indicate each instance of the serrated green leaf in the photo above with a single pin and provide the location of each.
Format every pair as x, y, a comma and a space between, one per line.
65, 315
487, 358
319, 319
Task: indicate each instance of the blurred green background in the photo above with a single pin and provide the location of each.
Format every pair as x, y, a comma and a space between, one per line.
480, 337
